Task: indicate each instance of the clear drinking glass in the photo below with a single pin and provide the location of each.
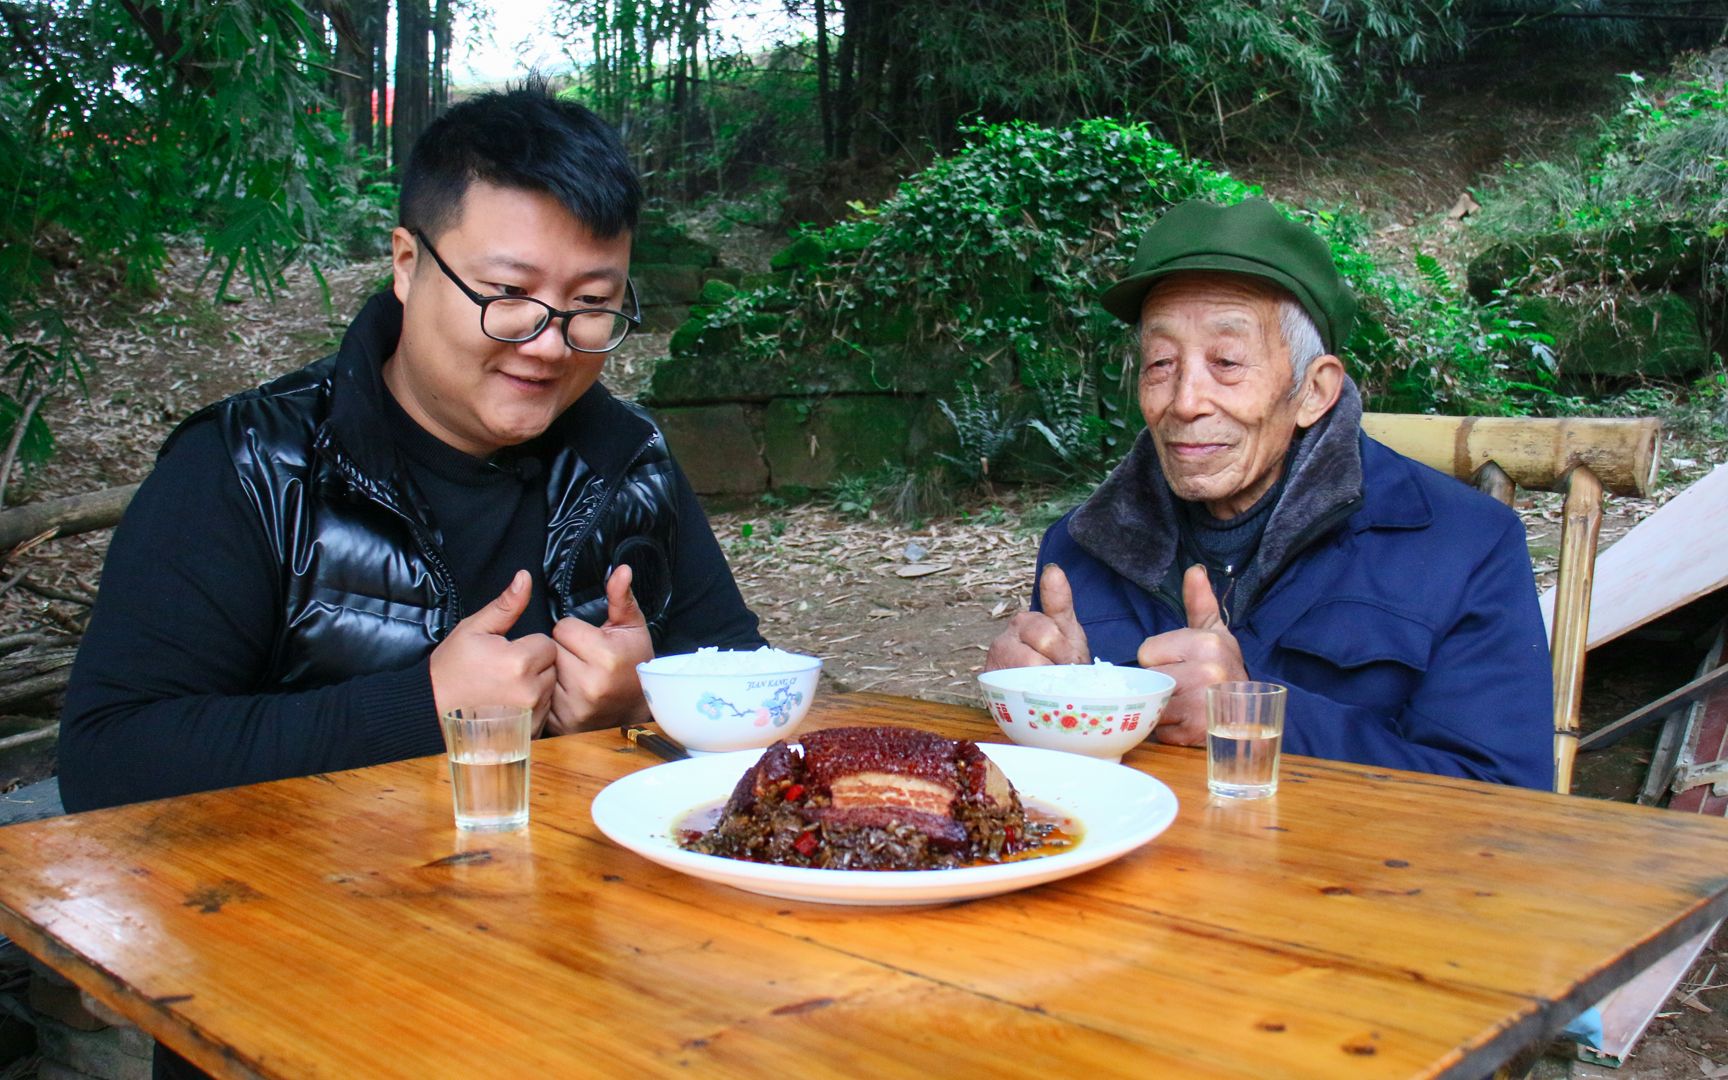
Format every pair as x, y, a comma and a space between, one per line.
488, 750
1244, 730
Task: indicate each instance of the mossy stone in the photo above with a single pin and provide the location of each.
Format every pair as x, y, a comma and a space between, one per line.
706, 368
810, 443
802, 253
667, 283
697, 338
1655, 336
885, 325
662, 317
716, 291
1648, 255
718, 446
657, 240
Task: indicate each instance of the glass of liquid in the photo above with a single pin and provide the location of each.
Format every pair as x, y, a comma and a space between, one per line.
488, 750
1244, 727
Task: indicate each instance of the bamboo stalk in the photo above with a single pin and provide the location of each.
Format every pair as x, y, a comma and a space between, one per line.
1582, 525
1536, 453
17, 440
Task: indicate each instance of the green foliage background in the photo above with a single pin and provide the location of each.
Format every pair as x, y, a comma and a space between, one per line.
1001, 250
129, 127
116, 142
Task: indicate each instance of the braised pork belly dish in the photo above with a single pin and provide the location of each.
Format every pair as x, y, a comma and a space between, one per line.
872, 798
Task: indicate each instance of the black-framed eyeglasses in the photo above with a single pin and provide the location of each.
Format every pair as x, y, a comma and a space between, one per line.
515, 319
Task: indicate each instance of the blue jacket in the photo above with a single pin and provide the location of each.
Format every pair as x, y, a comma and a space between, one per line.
1397, 605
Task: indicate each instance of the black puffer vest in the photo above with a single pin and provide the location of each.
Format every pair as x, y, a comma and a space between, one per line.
364, 586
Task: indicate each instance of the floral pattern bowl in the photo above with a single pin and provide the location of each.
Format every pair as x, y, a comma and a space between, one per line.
1098, 710
714, 701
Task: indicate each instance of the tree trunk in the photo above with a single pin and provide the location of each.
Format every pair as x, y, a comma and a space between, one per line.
412, 107
167, 42
353, 52
680, 104
900, 113
852, 22
380, 103
440, 60
824, 95
872, 66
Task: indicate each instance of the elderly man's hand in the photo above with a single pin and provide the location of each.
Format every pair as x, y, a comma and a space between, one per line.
476, 665
597, 681
1051, 636
1203, 654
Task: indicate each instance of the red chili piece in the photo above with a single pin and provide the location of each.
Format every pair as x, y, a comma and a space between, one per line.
794, 793
806, 843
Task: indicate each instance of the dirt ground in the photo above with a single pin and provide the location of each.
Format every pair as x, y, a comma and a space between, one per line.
891, 607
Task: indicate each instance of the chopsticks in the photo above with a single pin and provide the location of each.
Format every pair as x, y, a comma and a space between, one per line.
660, 745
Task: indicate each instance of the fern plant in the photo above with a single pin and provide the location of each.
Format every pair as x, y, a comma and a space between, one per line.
984, 426
1068, 418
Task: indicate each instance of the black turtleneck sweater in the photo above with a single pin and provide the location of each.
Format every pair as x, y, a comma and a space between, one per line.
491, 514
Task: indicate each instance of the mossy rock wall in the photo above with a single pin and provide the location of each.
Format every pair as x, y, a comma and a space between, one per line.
670, 269
1620, 304
1654, 255
735, 448
744, 415
716, 373
720, 447
1621, 337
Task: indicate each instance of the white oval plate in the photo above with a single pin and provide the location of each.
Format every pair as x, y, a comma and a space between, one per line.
1118, 809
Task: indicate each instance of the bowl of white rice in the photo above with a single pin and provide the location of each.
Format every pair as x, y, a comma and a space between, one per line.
1100, 710
715, 700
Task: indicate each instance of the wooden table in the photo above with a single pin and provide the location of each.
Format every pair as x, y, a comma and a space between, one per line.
1364, 923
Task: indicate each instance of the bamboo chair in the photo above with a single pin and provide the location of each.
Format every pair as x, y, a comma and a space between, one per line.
1580, 458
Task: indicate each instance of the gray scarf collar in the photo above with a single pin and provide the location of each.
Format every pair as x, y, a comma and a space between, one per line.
1130, 522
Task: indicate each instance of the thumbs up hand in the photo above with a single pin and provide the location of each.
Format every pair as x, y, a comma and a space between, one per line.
597, 685
1051, 636
1201, 655
477, 665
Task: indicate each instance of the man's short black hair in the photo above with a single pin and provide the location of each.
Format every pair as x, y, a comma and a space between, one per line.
521, 138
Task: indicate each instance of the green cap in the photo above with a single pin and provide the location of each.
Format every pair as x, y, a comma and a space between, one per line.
1250, 238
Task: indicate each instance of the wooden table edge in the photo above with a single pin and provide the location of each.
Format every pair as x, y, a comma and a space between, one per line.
156, 1018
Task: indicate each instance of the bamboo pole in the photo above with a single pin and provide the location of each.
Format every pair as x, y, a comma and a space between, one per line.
1581, 526
1536, 453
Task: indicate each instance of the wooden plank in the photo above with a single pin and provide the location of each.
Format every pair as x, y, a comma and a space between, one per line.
1609, 734
1535, 453
1364, 923
1627, 1012
1665, 562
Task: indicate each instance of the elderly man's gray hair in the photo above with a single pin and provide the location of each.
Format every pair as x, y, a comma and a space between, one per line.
1301, 337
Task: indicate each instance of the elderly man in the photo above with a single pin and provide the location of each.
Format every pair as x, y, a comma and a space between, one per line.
450, 510
1255, 532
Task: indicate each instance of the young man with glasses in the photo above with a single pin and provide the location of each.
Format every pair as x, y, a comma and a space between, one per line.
450, 510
